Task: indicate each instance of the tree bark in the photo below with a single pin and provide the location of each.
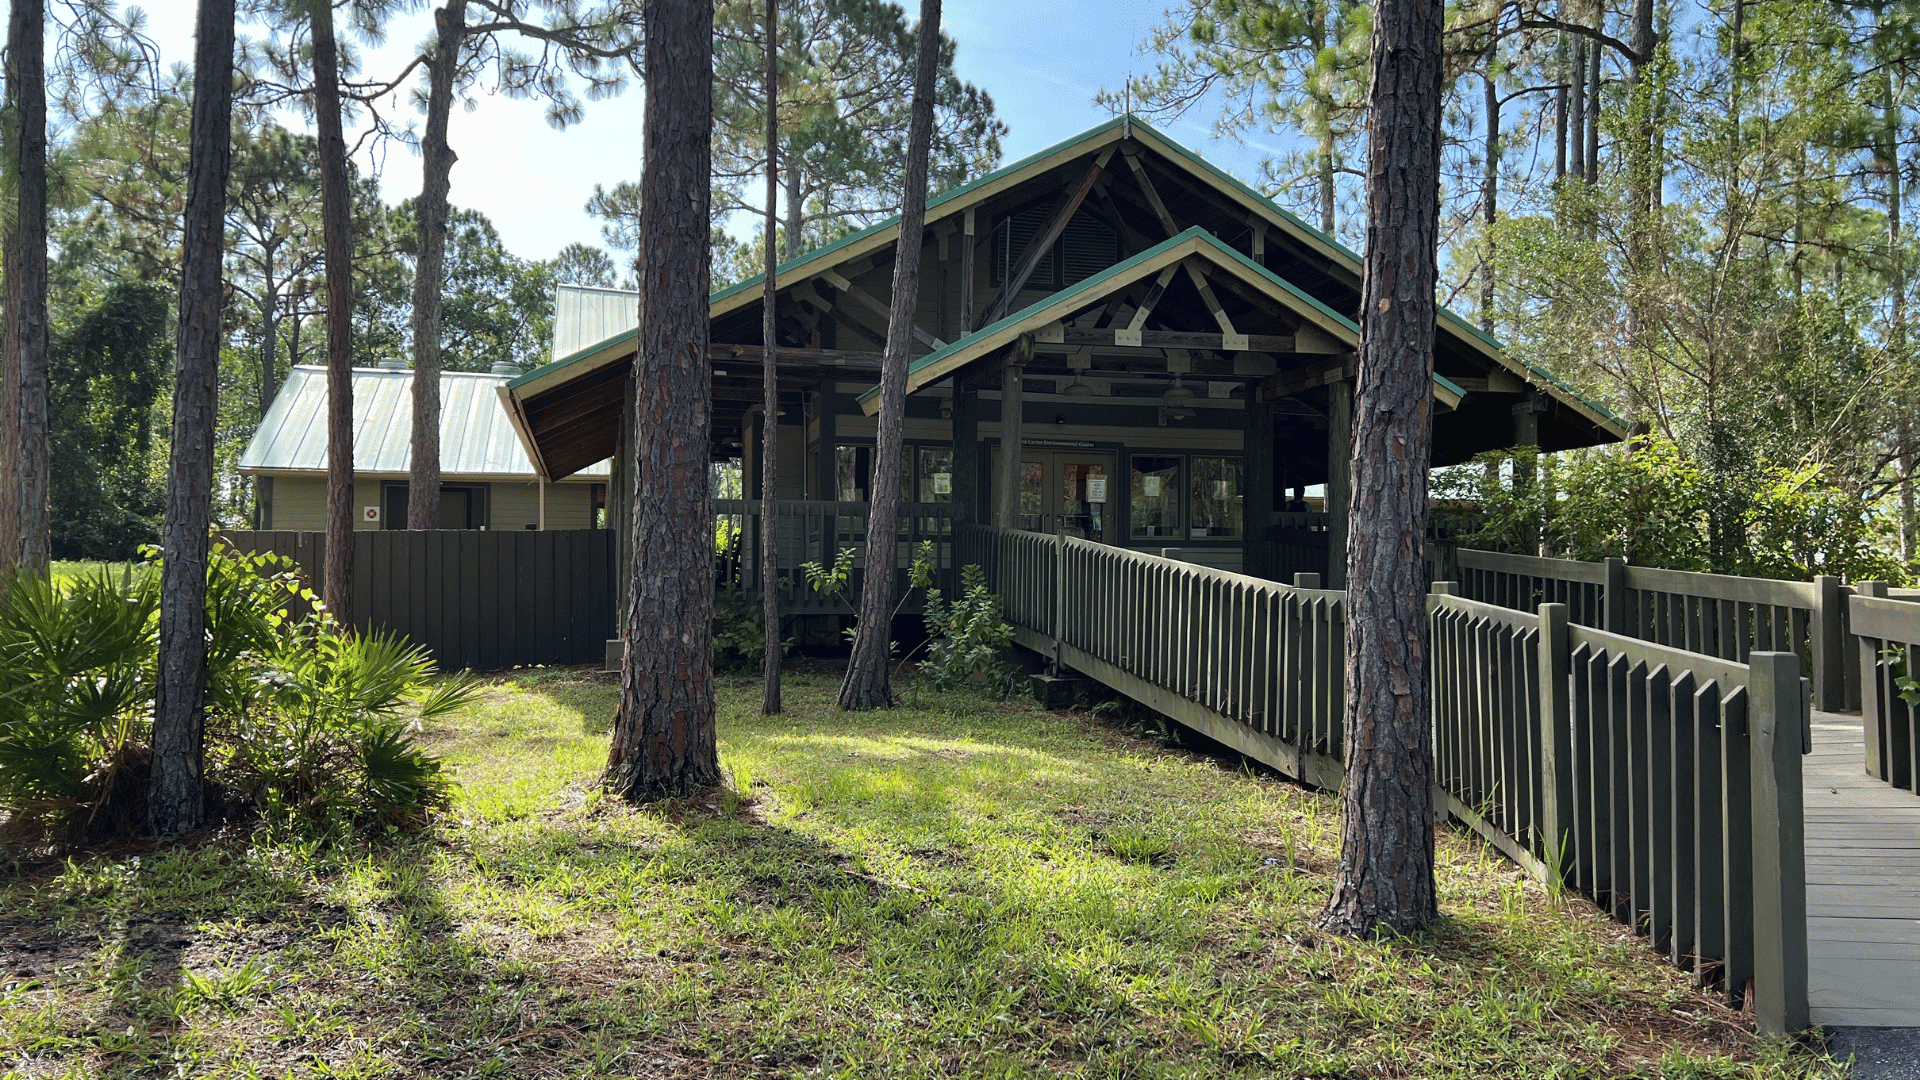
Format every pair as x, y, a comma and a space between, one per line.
336, 225
25, 536
1386, 877
663, 739
430, 267
1490, 193
867, 684
1577, 111
175, 795
770, 384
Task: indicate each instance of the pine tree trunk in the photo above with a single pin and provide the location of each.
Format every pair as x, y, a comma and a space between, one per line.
336, 225
867, 684
430, 268
269, 342
25, 536
1386, 879
770, 384
1577, 111
1490, 193
175, 796
663, 737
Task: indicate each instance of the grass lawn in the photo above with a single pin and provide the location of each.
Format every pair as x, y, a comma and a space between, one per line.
966, 888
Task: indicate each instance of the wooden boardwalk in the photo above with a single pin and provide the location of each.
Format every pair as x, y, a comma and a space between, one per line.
1863, 886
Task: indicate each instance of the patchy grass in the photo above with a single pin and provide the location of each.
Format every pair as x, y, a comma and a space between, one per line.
67, 570
965, 888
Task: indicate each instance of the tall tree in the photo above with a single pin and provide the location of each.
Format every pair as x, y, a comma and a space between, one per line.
1386, 879
663, 737
274, 214
770, 381
867, 685
429, 272
336, 223
175, 799
24, 533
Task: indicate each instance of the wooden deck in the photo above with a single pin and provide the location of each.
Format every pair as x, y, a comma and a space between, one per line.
1863, 886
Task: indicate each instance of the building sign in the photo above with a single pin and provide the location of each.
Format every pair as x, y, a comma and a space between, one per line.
1071, 444
1097, 489
370, 513
942, 483
1150, 486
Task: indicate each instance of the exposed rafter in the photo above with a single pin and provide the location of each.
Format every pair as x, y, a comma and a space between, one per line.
1042, 242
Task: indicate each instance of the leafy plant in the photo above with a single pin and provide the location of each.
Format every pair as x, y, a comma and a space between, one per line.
833, 581
1895, 659
967, 640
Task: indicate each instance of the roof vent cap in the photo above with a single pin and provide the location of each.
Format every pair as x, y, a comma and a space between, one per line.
507, 368
394, 363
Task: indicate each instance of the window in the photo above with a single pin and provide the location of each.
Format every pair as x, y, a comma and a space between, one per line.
853, 473
1155, 490
1215, 499
596, 506
934, 475
461, 507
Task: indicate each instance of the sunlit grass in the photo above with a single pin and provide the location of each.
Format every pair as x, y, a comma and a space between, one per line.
964, 888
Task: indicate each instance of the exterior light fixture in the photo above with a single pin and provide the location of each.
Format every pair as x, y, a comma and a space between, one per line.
1176, 401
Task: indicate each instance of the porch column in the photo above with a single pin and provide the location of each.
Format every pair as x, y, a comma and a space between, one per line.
1258, 480
966, 454
1007, 484
825, 462
1339, 478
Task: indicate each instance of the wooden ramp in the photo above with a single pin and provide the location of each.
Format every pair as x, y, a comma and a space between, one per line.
1863, 886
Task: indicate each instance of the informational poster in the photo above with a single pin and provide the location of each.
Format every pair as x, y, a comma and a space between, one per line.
1097, 489
942, 483
1150, 486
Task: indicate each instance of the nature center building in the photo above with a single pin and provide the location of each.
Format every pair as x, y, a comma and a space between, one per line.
486, 481
1114, 339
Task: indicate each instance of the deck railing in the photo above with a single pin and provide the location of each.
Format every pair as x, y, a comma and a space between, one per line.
811, 531
1886, 635
1663, 784
1711, 614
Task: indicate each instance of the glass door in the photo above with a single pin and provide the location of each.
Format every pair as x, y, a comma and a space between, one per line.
1070, 490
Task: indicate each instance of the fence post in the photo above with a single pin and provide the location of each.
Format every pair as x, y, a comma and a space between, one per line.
1873, 706
1059, 591
1829, 648
1556, 740
1306, 581
1170, 553
1614, 597
1779, 844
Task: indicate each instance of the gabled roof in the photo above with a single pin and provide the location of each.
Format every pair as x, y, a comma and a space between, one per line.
1195, 242
477, 440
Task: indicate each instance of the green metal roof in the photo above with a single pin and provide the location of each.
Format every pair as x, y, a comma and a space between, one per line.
476, 435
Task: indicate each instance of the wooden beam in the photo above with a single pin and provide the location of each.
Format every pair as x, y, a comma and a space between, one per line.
1199, 275
1153, 196
1176, 339
872, 303
967, 244
1288, 383
1036, 248
1007, 486
833, 358
1339, 478
1137, 326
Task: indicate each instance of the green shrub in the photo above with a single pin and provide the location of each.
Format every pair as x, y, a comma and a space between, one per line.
306, 721
967, 642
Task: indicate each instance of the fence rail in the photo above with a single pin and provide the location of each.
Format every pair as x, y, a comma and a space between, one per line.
1886, 634
812, 531
1663, 784
1710, 614
476, 599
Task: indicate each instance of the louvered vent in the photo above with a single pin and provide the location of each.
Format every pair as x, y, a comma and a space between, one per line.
1011, 240
1088, 247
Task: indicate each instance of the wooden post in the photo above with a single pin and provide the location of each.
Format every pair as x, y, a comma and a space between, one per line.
1779, 845
1873, 706
1556, 740
1171, 553
966, 275
1339, 478
1828, 647
1007, 493
1306, 581
1257, 503
827, 462
1614, 597
1059, 591
966, 454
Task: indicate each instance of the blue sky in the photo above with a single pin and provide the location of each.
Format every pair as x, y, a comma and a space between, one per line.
1042, 60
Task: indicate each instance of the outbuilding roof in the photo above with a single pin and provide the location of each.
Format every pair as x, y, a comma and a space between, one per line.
477, 441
